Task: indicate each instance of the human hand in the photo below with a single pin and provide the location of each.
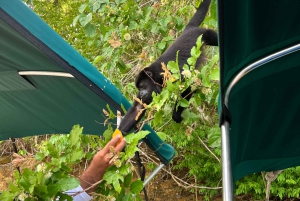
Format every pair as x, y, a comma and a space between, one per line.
99, 164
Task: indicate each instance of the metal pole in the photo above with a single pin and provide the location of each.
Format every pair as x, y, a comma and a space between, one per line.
226, 163
153, 174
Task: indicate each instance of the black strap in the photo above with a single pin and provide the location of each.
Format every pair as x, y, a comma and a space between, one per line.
225, 115
142, 171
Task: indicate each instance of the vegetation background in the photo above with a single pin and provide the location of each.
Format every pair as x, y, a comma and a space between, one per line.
120, 38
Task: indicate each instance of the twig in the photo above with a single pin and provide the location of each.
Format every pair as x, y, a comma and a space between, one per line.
141, 6
84, 190
263, 177
163, 125
179, 181
209, 150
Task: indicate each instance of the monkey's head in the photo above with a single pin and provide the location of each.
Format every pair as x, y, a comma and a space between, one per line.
147, 82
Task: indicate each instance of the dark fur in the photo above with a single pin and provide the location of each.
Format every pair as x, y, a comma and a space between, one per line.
150, 79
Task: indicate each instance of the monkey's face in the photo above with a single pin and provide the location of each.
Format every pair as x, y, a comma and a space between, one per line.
146, 85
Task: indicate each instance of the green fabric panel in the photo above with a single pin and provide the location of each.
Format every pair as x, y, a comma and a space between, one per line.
54, 107
255, 165
17, 54
255, 29
12, 81
265, 128
264, 104
43, 32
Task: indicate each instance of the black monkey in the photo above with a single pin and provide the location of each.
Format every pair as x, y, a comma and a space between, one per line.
150, 79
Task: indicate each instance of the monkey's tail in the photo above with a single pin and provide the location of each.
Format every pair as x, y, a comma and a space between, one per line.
199, 16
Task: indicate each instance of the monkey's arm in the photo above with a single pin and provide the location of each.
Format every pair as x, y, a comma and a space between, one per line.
132, 117
187, 94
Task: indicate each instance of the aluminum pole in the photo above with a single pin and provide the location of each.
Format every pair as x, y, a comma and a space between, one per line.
226, 164
147, 180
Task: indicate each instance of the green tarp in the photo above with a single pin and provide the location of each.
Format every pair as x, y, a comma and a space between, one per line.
264, 104
75, 93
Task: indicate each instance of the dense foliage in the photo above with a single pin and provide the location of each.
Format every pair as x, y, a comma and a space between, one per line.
120, 38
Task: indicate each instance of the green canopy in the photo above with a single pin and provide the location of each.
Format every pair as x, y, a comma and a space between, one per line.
259, 44
47, 87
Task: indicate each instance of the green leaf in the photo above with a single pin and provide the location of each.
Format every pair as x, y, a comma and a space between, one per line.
112, 176
214, 74
191, 61
162, 135
136, 136
126, 197
52, 190
64, 197
136, 187
179, 22
39, 156
75, 20
108, 133
158, 117
127, 180
7, 196
154, 28
173, 67
75, 135
65, 167
103, 29
76, 155
122, 66
133, 25
161, 45
214, 137
206, 82
82, 8
159, 101
183, 103
65, 184
116, 185
52, 150
13, 188
40, 177
90, 30
111, 113
40, 189
28, 180
119, 1
97, 59
191, 115
193, 51
84, 20
96, 6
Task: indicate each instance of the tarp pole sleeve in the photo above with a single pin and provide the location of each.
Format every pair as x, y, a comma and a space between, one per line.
226, 163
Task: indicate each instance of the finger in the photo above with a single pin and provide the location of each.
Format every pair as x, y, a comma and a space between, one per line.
121, 145
112, 142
